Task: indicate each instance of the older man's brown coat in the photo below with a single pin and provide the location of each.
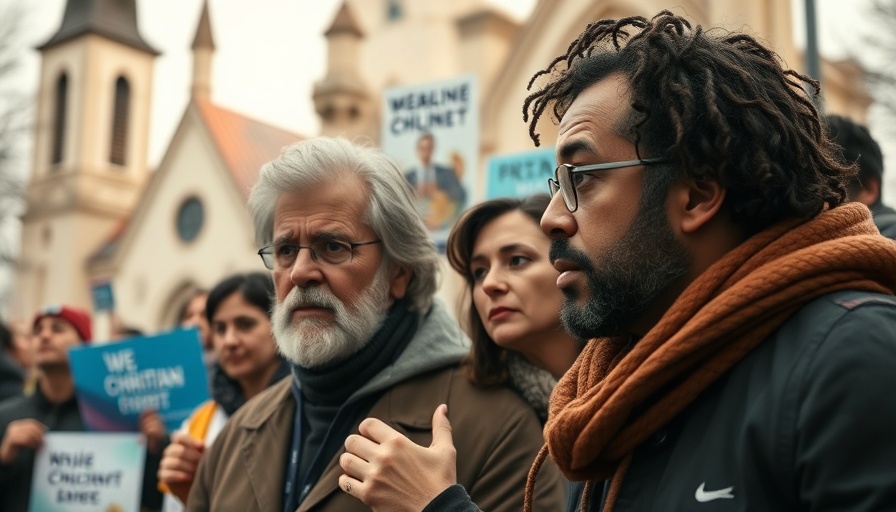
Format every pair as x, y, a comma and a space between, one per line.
496, 434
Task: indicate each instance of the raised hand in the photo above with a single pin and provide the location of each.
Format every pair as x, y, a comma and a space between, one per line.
27, 433
179, 463
390, 473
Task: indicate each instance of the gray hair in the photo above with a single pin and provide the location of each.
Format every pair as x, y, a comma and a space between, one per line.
391, 212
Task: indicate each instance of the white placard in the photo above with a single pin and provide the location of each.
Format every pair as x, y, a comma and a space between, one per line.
88, 471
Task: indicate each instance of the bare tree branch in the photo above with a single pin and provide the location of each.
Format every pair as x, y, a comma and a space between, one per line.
15, 108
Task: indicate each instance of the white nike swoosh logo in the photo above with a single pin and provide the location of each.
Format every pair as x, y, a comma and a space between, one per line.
722, 494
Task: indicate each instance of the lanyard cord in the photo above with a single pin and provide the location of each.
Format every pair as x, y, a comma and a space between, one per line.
346, 418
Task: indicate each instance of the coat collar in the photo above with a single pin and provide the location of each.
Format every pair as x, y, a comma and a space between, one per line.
262, 448
406, 406
278, 395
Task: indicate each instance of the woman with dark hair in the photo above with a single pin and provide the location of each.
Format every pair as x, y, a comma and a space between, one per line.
513, 317
238, 314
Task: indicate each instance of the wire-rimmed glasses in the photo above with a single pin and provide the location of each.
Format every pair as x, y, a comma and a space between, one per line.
564, 182
283, 255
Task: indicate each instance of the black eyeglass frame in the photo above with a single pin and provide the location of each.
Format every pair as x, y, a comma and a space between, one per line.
563, 182
269, 258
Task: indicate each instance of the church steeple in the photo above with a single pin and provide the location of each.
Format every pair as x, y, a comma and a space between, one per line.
344, 22
203, 51
115, 19
342, 98
91, 138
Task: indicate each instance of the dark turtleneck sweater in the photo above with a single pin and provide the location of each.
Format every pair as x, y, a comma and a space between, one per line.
327, 389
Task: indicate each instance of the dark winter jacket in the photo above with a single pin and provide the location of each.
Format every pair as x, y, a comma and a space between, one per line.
804, 422
885, 220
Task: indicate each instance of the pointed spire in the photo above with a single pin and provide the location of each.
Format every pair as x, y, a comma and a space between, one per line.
114, 19
204, 37
344, 22
203, 51
342, 99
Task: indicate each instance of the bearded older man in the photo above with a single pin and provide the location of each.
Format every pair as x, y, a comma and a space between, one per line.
355, 274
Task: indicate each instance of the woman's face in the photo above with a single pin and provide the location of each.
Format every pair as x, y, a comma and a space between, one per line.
241, 335
514, 284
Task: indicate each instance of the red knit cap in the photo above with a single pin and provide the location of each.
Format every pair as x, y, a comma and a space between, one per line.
78, 318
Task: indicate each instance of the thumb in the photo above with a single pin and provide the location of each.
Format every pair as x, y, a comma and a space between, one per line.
441, 427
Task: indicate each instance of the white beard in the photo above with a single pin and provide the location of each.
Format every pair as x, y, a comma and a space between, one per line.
311, 342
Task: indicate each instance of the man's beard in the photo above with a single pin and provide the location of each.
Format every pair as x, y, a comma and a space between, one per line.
624, 280
312, 342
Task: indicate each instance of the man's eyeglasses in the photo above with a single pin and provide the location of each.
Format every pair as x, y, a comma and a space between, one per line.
565, 182
283, 255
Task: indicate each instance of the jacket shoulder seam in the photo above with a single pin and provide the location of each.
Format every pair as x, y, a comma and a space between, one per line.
865, 300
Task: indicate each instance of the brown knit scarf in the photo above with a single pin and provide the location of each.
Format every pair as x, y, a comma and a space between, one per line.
616, 396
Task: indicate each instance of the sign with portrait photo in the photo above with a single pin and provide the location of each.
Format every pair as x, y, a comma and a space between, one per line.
432, 131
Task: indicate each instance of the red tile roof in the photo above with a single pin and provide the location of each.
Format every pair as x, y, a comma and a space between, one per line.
244, 143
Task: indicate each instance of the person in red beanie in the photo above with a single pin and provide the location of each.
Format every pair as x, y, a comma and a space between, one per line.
52, 406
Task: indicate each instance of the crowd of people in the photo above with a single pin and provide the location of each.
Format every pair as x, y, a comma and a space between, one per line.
701, 310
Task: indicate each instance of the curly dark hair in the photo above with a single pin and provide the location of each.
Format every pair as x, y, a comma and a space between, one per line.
719, 104
485, 363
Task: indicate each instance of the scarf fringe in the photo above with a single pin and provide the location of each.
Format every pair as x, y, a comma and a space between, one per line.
529, 494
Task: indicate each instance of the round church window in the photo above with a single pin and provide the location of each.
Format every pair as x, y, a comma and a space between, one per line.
190, 217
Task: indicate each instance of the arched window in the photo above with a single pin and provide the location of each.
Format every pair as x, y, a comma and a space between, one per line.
120, 111
59, 117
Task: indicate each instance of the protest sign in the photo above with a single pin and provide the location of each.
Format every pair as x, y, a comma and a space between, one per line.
103, 296
88, 472
116, 382
432, 131
520, 174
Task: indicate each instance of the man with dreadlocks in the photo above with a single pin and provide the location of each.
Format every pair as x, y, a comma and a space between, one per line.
740, 316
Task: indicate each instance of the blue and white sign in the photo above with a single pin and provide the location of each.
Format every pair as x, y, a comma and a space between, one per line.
103, 297
118, 381
86, 472
520, 174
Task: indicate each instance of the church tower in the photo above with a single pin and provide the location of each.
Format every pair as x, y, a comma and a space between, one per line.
90, 147
203, 50
342, 98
